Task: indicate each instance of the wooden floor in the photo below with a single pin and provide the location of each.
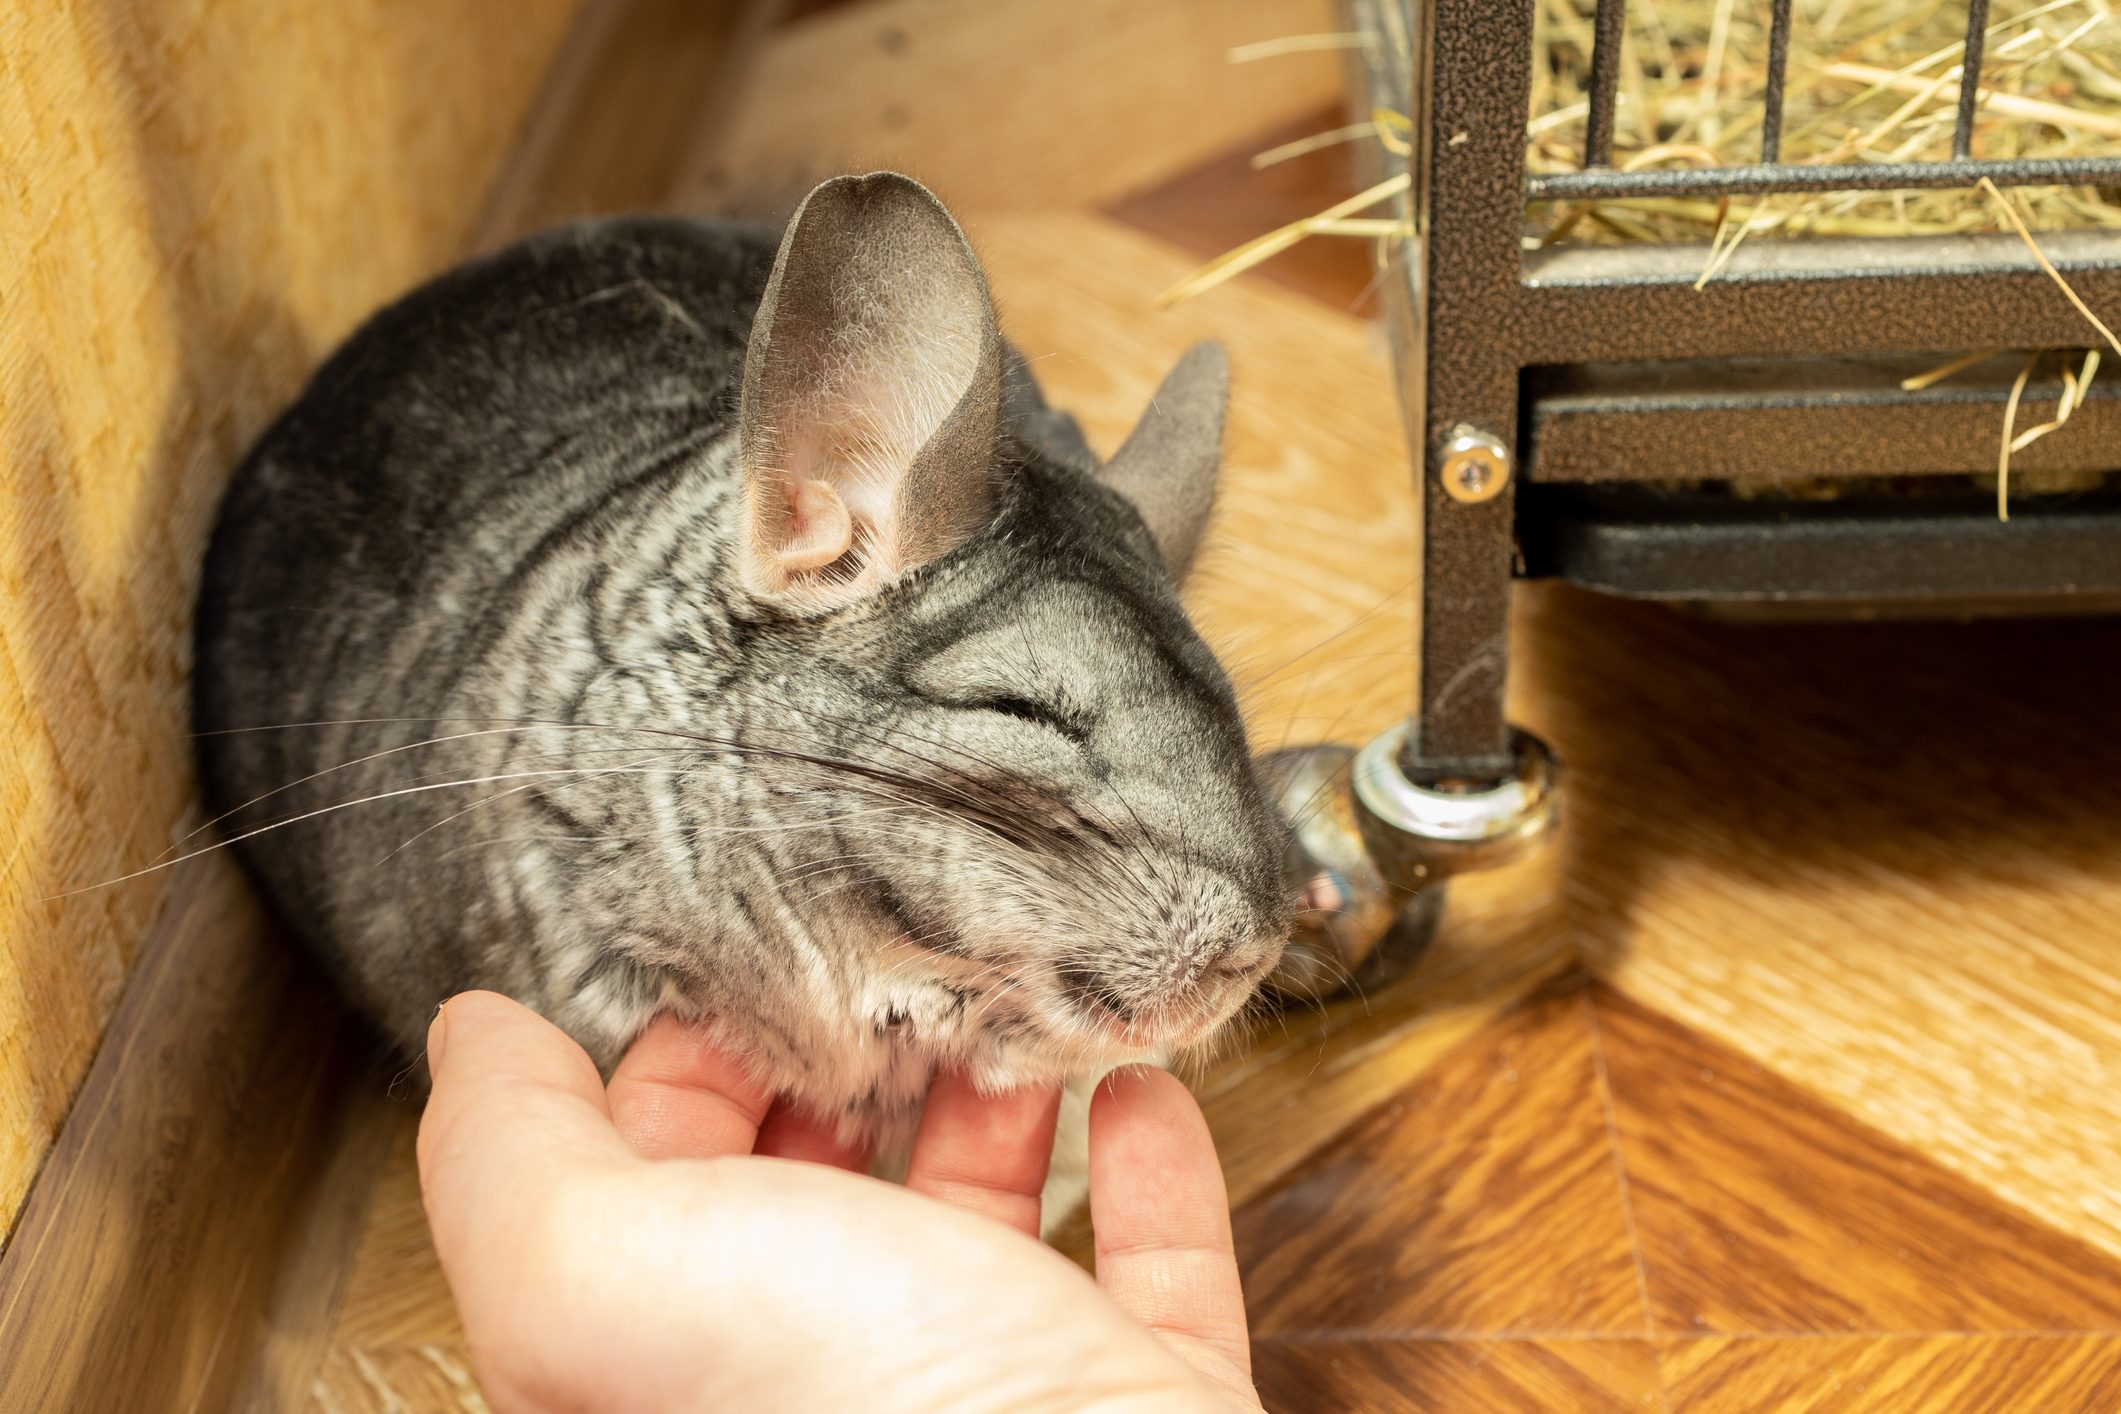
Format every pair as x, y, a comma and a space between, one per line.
1789, 1077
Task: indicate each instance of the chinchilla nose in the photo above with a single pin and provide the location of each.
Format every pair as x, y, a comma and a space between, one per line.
1232, 958
1252, 958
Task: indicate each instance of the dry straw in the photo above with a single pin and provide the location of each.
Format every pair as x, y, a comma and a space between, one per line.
1867, 81
2076, 385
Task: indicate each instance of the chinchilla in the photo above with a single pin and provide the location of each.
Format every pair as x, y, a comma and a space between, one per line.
669, 615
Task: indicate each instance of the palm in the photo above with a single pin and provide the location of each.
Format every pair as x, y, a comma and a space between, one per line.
673, 1240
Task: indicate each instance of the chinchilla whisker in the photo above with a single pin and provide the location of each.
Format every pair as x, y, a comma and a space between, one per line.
1019, 833
523, 723
1339, 978
501, 795
345, 765
852, 865
1289, 720
236, 839
590, 772
1256, 679
962, 796
695, 740
1001, 990
965, 793
869, 814
1138, 849
692, 831
1311, 804
846, 863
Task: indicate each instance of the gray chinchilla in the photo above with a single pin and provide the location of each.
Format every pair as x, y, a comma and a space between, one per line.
675, 615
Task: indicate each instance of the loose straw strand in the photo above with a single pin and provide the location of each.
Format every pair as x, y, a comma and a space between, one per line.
1260, 248
1294, 44
2010, 423
2010, 214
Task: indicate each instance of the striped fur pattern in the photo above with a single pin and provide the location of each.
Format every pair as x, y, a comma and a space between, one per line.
492, 695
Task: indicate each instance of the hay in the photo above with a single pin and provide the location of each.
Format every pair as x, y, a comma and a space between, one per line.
1295, 44
1335, 220
2075, 386
2017, 222
1868, 80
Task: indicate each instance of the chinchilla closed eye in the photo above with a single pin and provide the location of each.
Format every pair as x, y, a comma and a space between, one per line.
678, 615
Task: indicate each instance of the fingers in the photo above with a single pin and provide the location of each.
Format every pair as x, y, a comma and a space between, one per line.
517, 1109
985, 1153
790, 1133
677, 1095
1163, 1222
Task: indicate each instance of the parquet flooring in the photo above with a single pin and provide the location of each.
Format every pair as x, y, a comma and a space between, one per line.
1759, 1209
1789, 1077
1482, 1198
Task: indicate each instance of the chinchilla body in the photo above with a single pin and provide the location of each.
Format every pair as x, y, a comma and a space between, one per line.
672, 615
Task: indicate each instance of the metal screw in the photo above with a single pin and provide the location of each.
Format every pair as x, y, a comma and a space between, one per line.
1475, 465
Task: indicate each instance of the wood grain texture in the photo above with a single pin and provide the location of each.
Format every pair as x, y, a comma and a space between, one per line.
314, 1271
1462, 1376
1879, 859
1892, 1374
200, 199
1483, 1199
432, 1378
1014, 104
1301, 1077
630, 77
395, 1294
1759, 1208
142, 1271
1223, 202
1463, 1246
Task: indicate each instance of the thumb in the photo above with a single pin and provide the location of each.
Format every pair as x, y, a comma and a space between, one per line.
1164, 1253
517, 1108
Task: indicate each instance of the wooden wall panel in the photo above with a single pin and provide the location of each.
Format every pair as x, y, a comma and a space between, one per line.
141, 1272
196, 201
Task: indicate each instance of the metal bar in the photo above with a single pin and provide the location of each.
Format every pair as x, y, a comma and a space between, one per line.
1883, 551
1970, 78
1778, 64
1608, 29
1819, 295
1480, 81
1794, 177
1770, 420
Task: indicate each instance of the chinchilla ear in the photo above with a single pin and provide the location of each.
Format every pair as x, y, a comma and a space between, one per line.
1168, 464
871, 398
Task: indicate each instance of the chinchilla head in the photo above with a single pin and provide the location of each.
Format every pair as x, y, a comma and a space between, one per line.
1030, 769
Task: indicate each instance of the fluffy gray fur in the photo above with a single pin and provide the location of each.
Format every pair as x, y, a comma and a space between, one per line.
581, 636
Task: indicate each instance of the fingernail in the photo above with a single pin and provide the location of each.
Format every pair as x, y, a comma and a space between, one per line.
437, 1034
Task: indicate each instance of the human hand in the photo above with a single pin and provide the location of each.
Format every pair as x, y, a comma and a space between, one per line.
674, 1241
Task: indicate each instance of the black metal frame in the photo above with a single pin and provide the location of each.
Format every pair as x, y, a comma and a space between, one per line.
1494, 339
